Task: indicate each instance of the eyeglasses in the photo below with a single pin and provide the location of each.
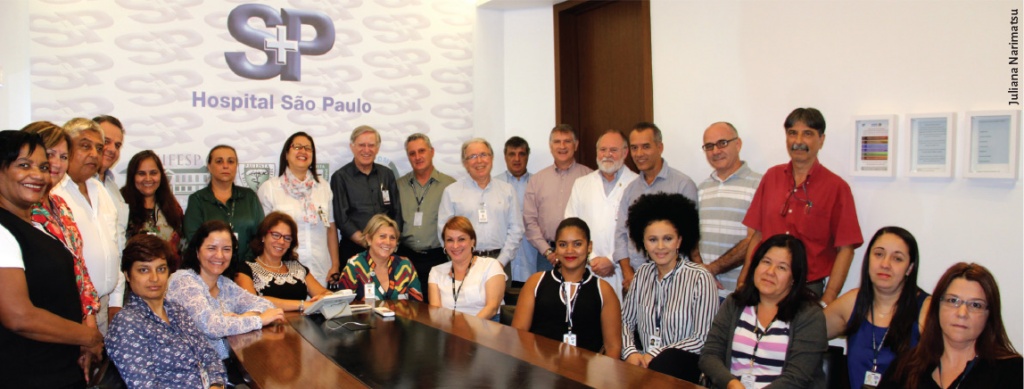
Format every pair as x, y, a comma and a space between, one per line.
793, 193
302, 148
480, 156
277, 236
973, 306
723, 143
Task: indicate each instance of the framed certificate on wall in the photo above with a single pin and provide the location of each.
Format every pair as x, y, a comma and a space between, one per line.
931, 139
992, 150
874, 152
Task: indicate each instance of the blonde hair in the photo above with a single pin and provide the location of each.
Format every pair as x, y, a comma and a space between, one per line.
377, 222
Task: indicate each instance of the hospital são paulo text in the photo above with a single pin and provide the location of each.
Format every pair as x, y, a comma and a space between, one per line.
246, 101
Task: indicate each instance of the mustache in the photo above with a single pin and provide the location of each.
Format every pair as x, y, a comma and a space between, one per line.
799, 147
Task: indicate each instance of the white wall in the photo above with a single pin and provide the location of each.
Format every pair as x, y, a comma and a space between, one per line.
751, 63
15, 104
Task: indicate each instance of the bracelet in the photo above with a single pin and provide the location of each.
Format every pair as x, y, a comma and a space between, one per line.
302, 304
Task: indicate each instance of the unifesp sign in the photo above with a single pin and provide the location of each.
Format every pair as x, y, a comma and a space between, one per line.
285, 48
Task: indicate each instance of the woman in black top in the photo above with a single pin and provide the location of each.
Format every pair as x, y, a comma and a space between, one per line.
41, 330
569, 303
964, 342
276, 273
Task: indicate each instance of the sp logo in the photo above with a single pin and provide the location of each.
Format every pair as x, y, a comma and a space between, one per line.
284, 48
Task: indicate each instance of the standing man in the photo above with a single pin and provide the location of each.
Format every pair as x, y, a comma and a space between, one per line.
517, 155
362, 189
420, 193
724, 199
548, 193
645, 145
490, 205
596, 198
95, 214
817, 207
113, 139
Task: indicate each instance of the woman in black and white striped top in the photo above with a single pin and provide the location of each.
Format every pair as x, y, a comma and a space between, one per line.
672, 301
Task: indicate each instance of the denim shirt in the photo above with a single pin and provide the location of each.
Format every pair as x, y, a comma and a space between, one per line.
152, 353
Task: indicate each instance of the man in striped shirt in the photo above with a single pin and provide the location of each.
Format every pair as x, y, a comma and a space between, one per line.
724, 198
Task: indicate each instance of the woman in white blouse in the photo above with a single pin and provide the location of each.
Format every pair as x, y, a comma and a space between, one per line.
468, 283
299, 192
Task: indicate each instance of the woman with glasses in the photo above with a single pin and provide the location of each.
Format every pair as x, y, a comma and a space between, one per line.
299, 192
223, 200
152, 207
884, 317
964, 342
276, 273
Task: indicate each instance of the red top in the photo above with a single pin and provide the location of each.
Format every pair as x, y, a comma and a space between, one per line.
820, 212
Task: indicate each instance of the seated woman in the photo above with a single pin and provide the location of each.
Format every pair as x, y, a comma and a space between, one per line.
152, 208
964, 342
468, 283
41, 330
218, 306
884, 317
153, 342
771, 331
277, 275
569, 303
392, 277
672, 300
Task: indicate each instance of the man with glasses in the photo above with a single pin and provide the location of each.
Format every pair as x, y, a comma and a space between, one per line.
490, 205
548, 193
596, 198
362, 189
645, 146
517, 156
724, 199
804, 199
96, 215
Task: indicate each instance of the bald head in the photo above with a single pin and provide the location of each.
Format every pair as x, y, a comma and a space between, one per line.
725, 159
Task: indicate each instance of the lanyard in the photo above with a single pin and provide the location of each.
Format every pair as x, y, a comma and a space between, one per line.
876, 348
963, 376
457, 292
373, 278
758, 334
419, 198
568, 298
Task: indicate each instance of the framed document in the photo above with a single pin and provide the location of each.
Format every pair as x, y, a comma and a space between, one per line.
992, 144
932, 138
874, 153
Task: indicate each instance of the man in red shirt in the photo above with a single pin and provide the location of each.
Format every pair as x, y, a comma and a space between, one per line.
804, 199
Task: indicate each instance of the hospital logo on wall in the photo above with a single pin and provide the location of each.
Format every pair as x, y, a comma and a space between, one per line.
284, 48
255, 174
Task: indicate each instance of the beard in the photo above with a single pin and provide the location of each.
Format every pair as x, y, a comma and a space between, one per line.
609, 166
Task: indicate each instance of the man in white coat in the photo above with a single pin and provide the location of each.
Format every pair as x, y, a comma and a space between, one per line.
595, 198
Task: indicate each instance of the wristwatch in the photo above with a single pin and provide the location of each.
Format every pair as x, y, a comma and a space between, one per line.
549, 251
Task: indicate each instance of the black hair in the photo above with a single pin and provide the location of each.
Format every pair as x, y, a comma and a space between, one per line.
810, 117
164, 198
906, 314
673, 208
109, 119
11, 142
516, 142
145, 248
574, 222
283, 162
798, 293
190, 258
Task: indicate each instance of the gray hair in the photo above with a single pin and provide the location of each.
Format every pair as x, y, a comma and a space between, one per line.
75, 127
362, 130
418, 136
465, 145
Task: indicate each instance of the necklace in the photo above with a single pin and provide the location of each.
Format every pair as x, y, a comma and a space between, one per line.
269, 266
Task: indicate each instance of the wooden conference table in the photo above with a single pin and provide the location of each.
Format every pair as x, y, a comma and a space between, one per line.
424, 347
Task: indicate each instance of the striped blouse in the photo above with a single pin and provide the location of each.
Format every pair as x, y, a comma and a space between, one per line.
687, 298
770, 354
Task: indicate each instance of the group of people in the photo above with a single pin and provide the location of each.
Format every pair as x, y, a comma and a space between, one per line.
711, 283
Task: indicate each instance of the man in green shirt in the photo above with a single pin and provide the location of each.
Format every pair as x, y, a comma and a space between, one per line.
420, 192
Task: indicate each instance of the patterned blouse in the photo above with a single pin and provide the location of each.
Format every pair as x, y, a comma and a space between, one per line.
152, 353
156, 225
55, 217
404, 282
216, 316
290, 285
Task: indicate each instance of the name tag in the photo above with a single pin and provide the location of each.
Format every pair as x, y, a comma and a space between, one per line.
569, 338
871, 379
417, 220
368, 292
748, 381
386, 196
481, 215
653, 342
